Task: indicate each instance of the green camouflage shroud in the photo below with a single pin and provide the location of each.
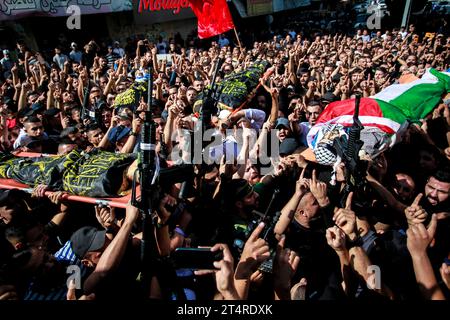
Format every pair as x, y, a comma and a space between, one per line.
94, 174
97, 174
236, 87
130, 98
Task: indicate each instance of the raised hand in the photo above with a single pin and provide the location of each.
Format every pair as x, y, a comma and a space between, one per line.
345, 218
225, 273
445, 274
319, 190
336, 239
106, 216
415, 214
302, 185
256, 250
285, 265
419, 237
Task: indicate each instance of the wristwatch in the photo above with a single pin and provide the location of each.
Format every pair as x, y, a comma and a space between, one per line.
132, 133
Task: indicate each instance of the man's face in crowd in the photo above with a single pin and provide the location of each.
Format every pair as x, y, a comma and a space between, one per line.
103, 62
95, 136
262, 103
312, 113
67, 97
436, 191
283, 133
94, 95
173, 92
362, 63
304, 78
103, 82
249, 203
328, 71
191, 95
34, 129
121, 87
252, 174
404, 187
307, 210
427, 161
379, 74
198, 85
411, 60
32, 98
312, 59
6, 213
106, 118
160, 125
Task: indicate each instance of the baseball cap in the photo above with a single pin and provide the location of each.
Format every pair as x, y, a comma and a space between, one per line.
37, 107
6, 51
52, 112
282, 122
33, 143
329, 97
8, 195
87, 239
239, 189
73, 44
288, 146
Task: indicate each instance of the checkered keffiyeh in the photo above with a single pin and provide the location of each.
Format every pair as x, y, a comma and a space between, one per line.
324, 150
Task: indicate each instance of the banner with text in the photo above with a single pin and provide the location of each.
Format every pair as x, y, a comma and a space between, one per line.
16, 9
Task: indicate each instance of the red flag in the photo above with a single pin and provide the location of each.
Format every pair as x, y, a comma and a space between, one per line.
213, 16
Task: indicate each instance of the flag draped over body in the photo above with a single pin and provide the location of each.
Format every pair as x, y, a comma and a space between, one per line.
382, 115
213, 16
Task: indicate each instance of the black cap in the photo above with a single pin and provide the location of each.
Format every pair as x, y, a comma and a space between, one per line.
23, 112
239, 189
288, 146
37, 107
11, 195
87, 239
52, 112
329, 97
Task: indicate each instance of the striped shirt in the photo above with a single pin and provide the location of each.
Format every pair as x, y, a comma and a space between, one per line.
66, 256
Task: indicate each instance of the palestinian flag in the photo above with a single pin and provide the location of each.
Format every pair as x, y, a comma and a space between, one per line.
388, 110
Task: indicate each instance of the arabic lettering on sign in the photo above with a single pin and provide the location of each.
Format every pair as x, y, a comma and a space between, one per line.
11, 7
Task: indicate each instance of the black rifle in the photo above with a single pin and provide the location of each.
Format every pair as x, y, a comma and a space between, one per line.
84, 111
209, 104
270, 219
356, 169
149, 176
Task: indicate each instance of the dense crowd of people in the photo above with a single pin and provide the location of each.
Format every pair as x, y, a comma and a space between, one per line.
89, 100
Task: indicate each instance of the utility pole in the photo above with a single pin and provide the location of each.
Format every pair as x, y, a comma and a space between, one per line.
406, 13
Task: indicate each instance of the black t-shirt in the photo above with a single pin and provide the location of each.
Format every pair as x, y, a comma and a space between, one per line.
122, 284
317, 260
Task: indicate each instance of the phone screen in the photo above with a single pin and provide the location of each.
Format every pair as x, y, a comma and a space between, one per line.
196, 258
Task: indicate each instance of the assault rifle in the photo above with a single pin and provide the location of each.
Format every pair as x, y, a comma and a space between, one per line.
356, 169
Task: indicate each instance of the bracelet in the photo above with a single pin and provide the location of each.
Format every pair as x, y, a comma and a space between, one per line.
111, 230
358, 242
180, 232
